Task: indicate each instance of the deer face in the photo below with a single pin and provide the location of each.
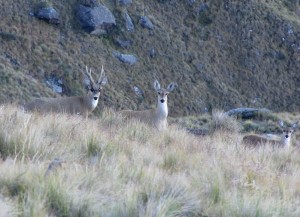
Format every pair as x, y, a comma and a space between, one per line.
94, 88
287, 131
94, 91
162, 93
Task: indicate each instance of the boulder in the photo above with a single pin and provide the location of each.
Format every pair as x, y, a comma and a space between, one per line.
56, 84
48, 14
247, 113
97, 19
146, 23
126, 58
129, 23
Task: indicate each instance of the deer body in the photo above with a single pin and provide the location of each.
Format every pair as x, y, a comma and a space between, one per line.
82, 105
156, 117
285, 139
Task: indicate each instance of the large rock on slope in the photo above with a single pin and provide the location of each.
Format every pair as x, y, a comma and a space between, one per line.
96, 19
48, 14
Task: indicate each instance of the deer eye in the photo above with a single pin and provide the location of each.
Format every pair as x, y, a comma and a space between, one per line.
159, 93
92, 89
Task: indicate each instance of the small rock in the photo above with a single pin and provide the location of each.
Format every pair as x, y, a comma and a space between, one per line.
125, 2
48, 14
126, 58
138, 91
129, 23
203, 8
191, 2
146, 23
152, 52
89, 3
124, 43
55, 84
53, 166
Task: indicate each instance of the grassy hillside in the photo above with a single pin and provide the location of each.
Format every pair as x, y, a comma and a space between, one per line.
223, 55
110, 168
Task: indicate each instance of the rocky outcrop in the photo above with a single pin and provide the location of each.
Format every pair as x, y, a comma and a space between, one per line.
247, 113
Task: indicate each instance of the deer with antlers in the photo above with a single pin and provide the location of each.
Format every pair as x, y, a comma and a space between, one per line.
82, 105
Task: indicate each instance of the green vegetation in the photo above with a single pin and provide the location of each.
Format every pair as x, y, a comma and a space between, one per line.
224, 56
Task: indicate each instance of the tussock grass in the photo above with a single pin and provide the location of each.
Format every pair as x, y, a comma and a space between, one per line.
112, 168
221, 121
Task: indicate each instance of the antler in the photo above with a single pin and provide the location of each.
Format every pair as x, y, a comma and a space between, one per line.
88, 72
102, 79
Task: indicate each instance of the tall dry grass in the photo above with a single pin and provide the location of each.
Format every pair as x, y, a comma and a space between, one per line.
113, 168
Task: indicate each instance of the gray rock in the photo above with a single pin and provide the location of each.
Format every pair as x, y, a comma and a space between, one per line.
96, 19
53, 166
203, 8
125, 2
129, 23
48, 14
56, 84
146, 23
152, 53
89, 3
247, 113
138, 91
126, 58
124, 43
191, 2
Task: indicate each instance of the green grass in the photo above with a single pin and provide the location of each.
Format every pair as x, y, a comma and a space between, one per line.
195, 50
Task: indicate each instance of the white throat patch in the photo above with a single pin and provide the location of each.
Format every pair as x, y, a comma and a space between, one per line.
162, 109
94, 103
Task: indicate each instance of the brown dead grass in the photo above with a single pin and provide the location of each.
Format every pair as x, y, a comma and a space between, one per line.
111, 168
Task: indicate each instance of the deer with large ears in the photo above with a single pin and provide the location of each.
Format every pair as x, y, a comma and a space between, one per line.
156, 117
82, 105
285, 139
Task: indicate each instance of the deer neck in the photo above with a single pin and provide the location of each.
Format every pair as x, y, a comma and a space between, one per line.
162, 110
286, 141
90, 102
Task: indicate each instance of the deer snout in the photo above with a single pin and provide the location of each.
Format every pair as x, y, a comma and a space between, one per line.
162, 100
286, 136
95, 98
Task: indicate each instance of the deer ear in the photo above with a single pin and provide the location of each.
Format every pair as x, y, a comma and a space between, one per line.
86, 81
171, 87
104, 81
295, 125
156, 85
281, 124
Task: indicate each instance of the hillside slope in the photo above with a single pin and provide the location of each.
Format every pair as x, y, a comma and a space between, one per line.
222, 54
